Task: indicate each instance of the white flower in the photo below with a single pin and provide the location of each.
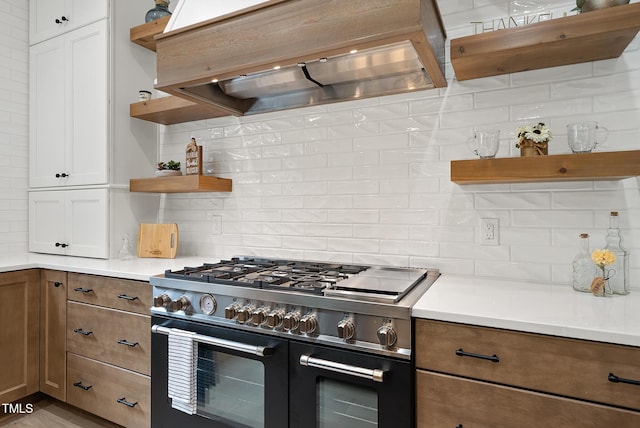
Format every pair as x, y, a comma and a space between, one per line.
539, 133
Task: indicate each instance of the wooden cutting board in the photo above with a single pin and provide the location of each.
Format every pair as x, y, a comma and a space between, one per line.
158, 240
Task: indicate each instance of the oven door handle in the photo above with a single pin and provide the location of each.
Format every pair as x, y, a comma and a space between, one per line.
260, 351
375, 375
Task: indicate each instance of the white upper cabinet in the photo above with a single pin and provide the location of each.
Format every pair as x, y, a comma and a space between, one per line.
50, 18
69, 108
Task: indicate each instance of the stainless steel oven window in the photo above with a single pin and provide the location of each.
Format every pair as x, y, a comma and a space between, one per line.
342, 404
230, 387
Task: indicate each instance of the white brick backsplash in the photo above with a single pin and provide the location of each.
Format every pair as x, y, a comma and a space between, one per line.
352, 130
381, 112
354, 187
367, 181
335, 202
353, 245
381, 231
507, 200
555, 218
304, 243
283, 202
331, 230
381, 201
305, 216
353, 216
14, 126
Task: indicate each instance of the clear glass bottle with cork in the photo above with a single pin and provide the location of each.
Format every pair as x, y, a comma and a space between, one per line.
584, 270
620, 280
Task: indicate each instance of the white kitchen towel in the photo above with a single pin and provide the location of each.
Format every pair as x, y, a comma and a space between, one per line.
183, 355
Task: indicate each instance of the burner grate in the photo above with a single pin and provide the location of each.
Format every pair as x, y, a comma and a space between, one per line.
308, 277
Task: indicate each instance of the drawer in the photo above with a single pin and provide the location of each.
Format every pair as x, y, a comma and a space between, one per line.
449, 401
103, 389
575, 368
123, 294
109, 335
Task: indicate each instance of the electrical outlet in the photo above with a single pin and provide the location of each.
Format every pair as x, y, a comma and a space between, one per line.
216, 225
489, 231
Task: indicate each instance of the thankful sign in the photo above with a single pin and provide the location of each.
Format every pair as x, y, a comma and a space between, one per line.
194, 158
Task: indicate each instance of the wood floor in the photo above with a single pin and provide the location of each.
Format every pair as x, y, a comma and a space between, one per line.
50, 413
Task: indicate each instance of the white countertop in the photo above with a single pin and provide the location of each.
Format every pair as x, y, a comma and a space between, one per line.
533, 307
136, 268
524, 306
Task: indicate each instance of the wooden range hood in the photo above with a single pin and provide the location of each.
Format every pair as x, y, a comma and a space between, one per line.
230, 61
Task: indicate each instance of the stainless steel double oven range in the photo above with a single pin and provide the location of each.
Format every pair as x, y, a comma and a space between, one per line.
251, 342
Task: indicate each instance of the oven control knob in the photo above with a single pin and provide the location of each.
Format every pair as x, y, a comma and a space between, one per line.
308, 324
291, 321
244, 313
346, 329
231, 311
180, 304
259, 316
275, 318
161, 301
387, 336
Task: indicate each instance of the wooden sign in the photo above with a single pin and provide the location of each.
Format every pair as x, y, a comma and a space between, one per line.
194, 158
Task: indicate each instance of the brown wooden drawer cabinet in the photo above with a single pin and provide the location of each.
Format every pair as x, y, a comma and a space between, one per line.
109, 348
123, 294
452, 401
111, 392
565, 367
115, 337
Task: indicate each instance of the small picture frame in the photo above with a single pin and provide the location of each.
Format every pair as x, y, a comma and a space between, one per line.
193, 152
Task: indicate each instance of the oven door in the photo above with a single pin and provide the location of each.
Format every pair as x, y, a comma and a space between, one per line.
338, 388
234, 385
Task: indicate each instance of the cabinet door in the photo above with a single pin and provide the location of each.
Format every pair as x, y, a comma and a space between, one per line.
49, 18
86, 106
19, 334
71, 222
46, 113
86, 223
53, 323
69, 108
46, 222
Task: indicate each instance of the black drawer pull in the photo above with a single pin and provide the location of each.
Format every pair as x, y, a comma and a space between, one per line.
57, 284
80, 385
126, 403
83, 290
493, 358
615, 379
124, 342
82, 332
459, 426
125, 297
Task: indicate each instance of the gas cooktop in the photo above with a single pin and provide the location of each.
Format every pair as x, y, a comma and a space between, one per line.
367, 282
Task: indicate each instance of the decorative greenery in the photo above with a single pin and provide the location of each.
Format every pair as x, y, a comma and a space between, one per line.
169, 165
538, 133
579, 4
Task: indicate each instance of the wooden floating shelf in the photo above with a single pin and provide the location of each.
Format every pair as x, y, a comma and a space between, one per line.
590, 36
144, 35
180, 184
171, 110
532, 169
165, 110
